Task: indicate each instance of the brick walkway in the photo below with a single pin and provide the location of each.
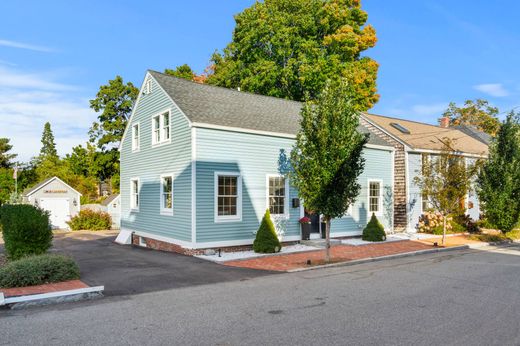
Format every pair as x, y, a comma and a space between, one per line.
47, 288
339, 253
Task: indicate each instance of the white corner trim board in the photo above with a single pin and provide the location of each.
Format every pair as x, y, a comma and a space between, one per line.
124, 237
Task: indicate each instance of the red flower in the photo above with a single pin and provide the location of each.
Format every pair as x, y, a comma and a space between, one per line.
305, 219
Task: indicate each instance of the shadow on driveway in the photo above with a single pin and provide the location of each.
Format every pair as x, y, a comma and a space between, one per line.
126, 269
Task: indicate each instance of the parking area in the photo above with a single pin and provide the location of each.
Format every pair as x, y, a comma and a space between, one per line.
130, 270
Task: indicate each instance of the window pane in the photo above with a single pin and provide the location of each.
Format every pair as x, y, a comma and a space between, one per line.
227, 195
277, 195
374, 195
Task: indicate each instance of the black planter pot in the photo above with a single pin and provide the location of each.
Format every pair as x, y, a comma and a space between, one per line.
323, 230
306, 231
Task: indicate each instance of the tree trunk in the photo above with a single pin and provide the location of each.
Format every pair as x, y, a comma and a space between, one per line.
327, 239
444, 229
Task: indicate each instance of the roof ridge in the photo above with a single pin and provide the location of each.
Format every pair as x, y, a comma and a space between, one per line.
412, 121
224, 88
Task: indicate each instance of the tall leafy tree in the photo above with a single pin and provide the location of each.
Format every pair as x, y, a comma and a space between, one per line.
114, 103
446, 179
479, 114
182, 71
5, 157
290, 48
499, 179
326, 158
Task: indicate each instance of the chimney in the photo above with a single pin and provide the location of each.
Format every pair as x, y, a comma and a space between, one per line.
444, 122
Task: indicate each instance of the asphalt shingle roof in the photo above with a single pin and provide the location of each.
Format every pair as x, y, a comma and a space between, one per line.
208, 104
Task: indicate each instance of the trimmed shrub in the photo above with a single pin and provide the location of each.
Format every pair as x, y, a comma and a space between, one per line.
26, 230
374, 231
38, 270
90, 220
266, 240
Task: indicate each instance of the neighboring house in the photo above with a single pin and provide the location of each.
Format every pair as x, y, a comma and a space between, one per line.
414, 142
200, 165
112, 205
57, 197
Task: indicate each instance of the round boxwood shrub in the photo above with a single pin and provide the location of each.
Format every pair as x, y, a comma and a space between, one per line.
374, 231
90, 220
266, 240
26, 230
38, 270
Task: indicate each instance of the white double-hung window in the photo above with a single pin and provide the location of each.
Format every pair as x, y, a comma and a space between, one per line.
277, 190
135, 137
161, 128
375, 197
134, 194
167, 194
228, 196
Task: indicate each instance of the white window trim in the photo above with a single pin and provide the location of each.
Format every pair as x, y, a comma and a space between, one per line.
286, 201
380, 204
134, 208
165, 211
138, 147
228, 218
161, 127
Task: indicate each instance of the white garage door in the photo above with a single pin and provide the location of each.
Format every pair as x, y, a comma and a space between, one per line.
59, 211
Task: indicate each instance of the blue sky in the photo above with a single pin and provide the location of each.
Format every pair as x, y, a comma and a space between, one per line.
55, 54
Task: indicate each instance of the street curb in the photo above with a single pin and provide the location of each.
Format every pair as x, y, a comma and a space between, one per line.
22, 302
382, 258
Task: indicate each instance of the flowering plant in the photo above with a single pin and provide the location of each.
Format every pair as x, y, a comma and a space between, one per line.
305, 219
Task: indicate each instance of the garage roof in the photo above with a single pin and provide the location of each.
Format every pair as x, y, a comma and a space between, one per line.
38, 186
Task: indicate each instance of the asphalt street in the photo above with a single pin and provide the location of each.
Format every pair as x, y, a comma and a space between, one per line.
469, 297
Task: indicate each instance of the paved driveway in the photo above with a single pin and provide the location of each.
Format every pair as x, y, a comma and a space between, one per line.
125, 269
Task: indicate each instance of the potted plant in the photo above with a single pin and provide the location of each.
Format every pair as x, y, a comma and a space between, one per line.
305, 222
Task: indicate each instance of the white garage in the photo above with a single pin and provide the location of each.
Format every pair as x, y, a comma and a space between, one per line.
58, 198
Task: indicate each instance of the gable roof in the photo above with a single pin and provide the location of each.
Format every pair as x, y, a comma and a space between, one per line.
30, 191
426, 136
217, 106
475, 133
110, 199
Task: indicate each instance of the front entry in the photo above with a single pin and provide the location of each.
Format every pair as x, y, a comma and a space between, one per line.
315, 223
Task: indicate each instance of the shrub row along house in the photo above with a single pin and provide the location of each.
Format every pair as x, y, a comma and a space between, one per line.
201, 164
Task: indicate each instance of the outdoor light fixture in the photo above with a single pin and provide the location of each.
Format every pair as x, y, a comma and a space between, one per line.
75, 203
36, 202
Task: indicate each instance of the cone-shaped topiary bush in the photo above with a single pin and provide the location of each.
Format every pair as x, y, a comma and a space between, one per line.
374, 231
266, 240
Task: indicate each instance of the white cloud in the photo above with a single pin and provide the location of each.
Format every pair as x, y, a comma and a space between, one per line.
21, 45
492, 89
434, 109
27, 101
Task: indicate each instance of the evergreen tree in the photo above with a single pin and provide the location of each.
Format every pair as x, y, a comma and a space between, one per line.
327, 156
5, 157
48, 151
266, 240
499, 179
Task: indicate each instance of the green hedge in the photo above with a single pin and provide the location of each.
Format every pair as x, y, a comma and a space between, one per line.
374, 231
37, 270
90, 220
26, 230
266, 240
